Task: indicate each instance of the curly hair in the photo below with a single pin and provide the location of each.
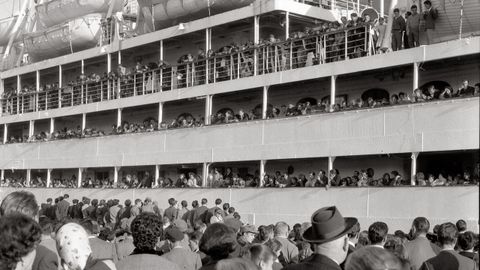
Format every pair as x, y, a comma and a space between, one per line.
146, 230
19, 235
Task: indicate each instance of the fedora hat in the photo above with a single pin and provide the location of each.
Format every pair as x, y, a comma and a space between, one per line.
327, 225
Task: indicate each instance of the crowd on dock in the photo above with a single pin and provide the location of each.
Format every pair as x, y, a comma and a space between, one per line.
94, 234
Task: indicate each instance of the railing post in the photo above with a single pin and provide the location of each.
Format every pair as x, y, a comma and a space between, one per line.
346, 44
31, 128
28, 177
206, 168
256, 41
116, 169
214, 69
119, 117
208, 109
80, 177
49, 178
415, 75
262, 173
333, 90
160, 114
143, 83
52, 125
413, 173
265, 102
84, 121
37, 89
5, 133
331, 161
157, 175
2, 174
135, 84
238, 65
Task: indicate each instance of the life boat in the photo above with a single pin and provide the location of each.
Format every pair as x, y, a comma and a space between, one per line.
167, 13
6, 29
58, 11
72, 36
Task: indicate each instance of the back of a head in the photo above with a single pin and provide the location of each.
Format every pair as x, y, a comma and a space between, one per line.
218, 241
195, 204
281, 229
128, 203
46, 224
377, 232
87, 224
261, 254
447, 234
374, 258
19, 202
466, 240
218, 201
265, 233
226, 206
421, 225
146, 229
20, 235
235, 264
184, 203
461, 225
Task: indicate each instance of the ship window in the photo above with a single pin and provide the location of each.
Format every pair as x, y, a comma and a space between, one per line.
376, 93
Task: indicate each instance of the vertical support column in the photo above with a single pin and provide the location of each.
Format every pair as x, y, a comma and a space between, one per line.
206, 168
119, 117
415, 76
161, 51
413, 173
331, 160
2, 90
208, 46
115, 175
60, 85
265, 102
287, 25
49, 177
157, 175
5, 133
256, 40
109, 69
52, 125
160, 113
382, 8
31, 128
19, 88
333, 90
84, 121
160, 73
82, 71
262, 172
208, 109
29, 177
80, 177
2, 174
37, 89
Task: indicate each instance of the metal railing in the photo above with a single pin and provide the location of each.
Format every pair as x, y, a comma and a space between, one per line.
236, 63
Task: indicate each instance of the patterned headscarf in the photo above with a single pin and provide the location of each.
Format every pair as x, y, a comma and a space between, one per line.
73, 246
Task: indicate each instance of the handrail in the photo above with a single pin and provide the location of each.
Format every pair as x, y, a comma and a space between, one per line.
229, 64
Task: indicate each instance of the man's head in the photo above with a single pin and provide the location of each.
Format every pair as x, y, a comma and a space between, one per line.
146, 230
447, 234
226, 206
218, 202
184, 204
420, 226
49, 200
281, 229
377, 233
172, 202
413, 8
195, 204
138, 202
66, 196
461, 225
148, 200
174, 236
427, 4
249, 232
23, 202
128, 203
466, 241
204, 201
396, 12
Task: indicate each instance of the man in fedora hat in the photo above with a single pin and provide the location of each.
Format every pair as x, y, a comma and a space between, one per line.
328, 236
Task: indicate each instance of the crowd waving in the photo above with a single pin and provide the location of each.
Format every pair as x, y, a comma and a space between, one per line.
99, 234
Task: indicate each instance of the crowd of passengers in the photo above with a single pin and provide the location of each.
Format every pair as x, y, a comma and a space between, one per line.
305, 52
218, 178
186, 120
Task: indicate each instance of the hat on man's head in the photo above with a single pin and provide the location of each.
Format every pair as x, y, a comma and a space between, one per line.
328, 225
173, 234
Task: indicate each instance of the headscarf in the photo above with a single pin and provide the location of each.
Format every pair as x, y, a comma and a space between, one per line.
73, 246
